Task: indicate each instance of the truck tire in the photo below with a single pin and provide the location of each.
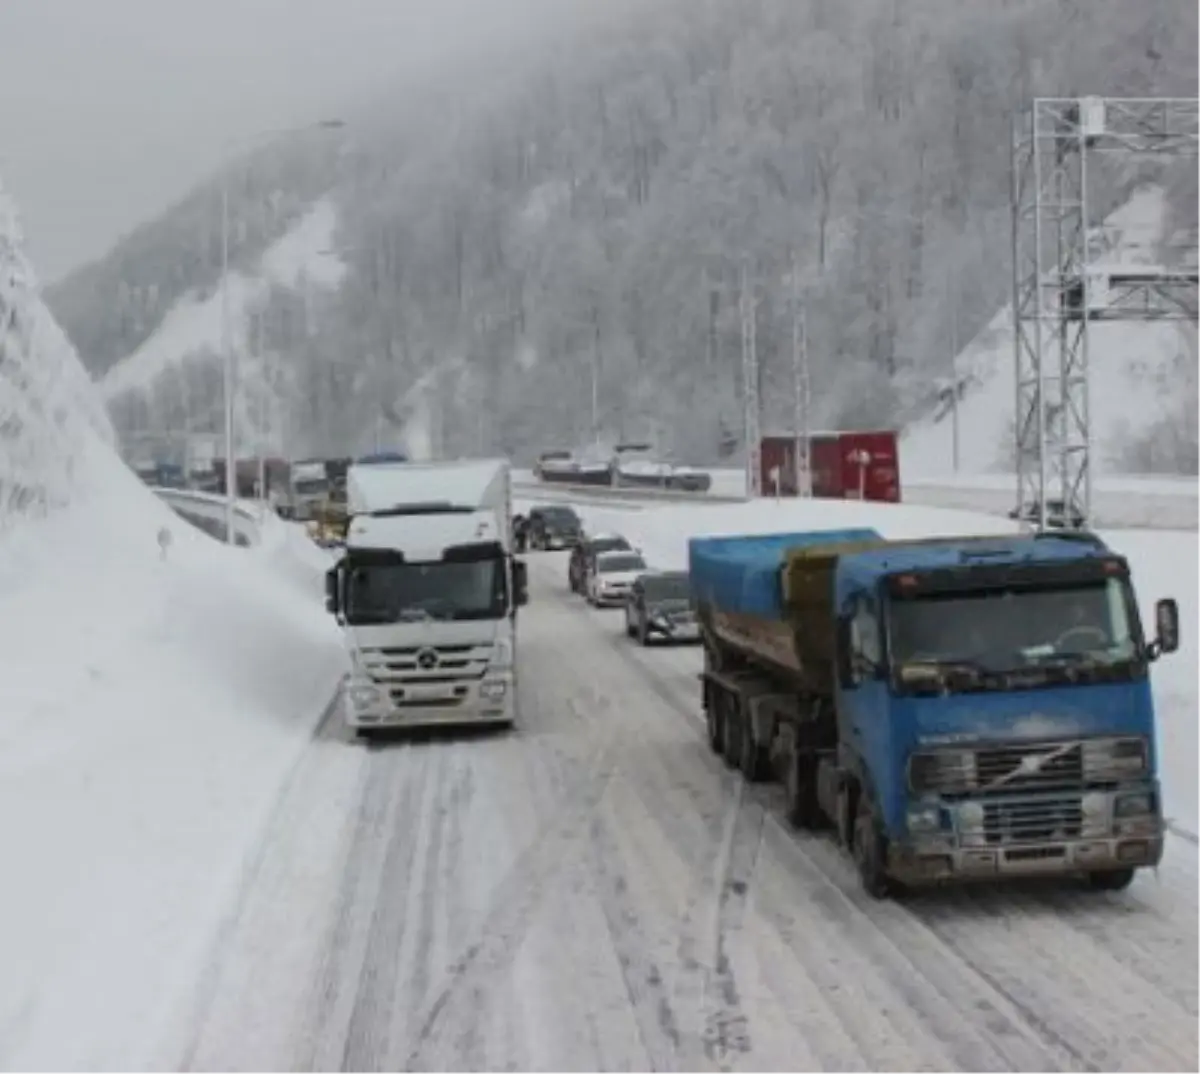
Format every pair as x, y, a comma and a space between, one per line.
731, 732
755, 761
712, 717
1110, 879
800, 788
869, 850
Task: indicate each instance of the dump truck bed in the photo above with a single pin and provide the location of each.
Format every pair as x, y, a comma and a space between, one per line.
769, 596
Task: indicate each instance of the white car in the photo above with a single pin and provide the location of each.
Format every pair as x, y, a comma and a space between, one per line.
612, 576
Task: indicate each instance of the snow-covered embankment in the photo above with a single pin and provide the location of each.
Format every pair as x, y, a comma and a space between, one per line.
150, 709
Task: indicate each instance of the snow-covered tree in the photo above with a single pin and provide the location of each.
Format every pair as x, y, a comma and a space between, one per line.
49, 411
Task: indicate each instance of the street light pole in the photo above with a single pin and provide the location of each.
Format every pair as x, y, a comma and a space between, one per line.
226, 331
227, 348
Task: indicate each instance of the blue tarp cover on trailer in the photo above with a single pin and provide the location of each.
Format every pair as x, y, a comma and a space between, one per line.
741, 574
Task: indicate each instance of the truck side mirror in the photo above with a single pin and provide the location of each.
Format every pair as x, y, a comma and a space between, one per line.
520, 582
1166, 622
332, 601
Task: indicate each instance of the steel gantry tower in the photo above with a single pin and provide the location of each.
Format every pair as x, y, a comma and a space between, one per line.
1061, 285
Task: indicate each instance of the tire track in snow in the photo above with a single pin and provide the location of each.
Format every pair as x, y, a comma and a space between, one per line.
199, 1010
368, 1031
511, 915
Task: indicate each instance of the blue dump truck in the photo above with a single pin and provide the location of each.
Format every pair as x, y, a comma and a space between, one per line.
952, 708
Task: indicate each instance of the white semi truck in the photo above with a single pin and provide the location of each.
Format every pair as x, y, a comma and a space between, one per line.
426, 592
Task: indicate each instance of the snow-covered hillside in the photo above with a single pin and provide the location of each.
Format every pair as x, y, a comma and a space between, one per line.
150, 707
303, 257
1140, 373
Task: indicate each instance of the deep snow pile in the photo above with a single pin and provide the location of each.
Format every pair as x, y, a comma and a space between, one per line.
1164, 563
150, 709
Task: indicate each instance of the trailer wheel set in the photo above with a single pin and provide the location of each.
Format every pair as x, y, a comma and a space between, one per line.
746, 741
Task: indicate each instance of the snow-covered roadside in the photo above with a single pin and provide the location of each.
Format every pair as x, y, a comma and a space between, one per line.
1164, 564
150, 711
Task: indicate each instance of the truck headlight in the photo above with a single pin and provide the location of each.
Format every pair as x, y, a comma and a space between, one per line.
924, 819
493, 691
502, 654
363, 697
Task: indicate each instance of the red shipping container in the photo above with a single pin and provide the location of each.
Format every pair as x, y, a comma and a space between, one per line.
850, 466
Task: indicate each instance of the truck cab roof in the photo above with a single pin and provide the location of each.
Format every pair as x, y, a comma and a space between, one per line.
422, 537
863, 568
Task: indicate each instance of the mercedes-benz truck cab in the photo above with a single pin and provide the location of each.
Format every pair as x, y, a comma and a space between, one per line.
427, 591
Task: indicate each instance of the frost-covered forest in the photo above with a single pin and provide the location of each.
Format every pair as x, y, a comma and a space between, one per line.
518, 234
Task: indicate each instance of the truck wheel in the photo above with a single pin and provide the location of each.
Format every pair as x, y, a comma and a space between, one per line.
869, 850
1110, 880
755, 760
803, 809
712, 716
731, 728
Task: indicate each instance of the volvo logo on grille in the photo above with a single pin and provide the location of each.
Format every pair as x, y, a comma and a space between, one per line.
426, 659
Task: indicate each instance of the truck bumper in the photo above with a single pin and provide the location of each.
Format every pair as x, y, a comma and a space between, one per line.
929, 862
490, 702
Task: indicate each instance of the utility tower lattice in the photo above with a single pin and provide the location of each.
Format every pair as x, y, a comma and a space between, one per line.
1062, 282
750, 395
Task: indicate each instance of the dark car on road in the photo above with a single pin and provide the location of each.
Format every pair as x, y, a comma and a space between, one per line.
1058, 515
584, 554
660, 606
553, 526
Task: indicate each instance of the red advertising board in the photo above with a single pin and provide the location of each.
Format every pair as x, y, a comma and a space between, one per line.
845, 466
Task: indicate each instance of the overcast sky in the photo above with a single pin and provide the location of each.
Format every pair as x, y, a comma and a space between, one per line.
111, 109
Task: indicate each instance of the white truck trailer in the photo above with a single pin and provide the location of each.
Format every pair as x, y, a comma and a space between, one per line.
426, 592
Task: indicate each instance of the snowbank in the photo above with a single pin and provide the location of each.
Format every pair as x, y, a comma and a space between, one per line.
149, 713
151, 707
1164, 564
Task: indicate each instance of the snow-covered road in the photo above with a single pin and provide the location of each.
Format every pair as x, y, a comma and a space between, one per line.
596, 891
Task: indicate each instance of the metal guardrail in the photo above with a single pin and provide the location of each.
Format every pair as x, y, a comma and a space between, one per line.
207, 511
551, 490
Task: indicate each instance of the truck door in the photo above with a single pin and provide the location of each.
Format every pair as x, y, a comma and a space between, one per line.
865, 735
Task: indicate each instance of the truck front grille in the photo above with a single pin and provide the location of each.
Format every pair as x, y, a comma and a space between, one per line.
1038, 821
401, 664
1027, 766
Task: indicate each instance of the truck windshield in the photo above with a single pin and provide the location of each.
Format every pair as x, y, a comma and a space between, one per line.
410, 592
311, 487
1089, 627
559, 516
